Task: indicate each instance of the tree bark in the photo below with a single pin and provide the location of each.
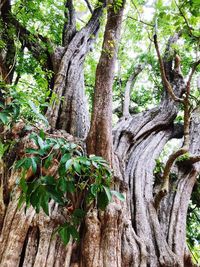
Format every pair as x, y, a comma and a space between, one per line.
128, 234
71, 112
99, 140
129, 85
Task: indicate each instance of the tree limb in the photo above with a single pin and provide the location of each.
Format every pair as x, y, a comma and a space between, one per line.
163, 74
190, 29
141, 21
131, 80
169, 54
192, 159
2, 3
69, 29
34, 46
89, 6
185, 148
191, 75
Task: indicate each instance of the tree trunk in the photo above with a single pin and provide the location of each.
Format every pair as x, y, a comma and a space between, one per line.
128, 234
69, 110
99, 140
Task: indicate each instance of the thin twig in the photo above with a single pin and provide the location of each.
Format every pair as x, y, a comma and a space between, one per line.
89, 6
141, 21
186, 21
191, 75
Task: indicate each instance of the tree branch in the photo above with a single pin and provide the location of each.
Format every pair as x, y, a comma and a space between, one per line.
89, 6
186, 21
34, 46
91, 24
141, 21
191, 75
131, 80
185, 148
3, 3
169, 54
69, 29
99, 140
163, 74
8, 54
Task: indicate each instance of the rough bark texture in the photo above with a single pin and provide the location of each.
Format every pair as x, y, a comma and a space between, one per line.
127, 234
99, 140
72, 113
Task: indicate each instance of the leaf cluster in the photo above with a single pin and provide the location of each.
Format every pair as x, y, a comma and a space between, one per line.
17, 105
60, 171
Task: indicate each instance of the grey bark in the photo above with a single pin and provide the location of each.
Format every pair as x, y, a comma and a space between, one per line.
69, 109
129, 85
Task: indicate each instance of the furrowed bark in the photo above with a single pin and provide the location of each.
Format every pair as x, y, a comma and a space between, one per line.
99, 140
72, 114
127, 234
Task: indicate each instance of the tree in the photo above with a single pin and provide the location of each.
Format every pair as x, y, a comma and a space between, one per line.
149, 227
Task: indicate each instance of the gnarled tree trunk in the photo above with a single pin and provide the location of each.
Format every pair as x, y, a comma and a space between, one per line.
128, 234
69, 110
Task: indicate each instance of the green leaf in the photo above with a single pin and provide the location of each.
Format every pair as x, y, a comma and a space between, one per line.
61, 170
27, 163
55, 194
79, 213
48, 161
84, 161
35, 199
34, 164
108, 193
77, 167
68, 164
98, 159
94, 189
23, 185
74, 233
20, 163
65, 158
40, 142
72, 146
2, 105
64, 234
45, 202
21, 200
24, 163
119, 195
66, 186
70, 187
37, 113
48, 180
42, 134
35, 151
4, 117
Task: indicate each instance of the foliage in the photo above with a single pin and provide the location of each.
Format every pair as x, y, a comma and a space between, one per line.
19, 106
62, 172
